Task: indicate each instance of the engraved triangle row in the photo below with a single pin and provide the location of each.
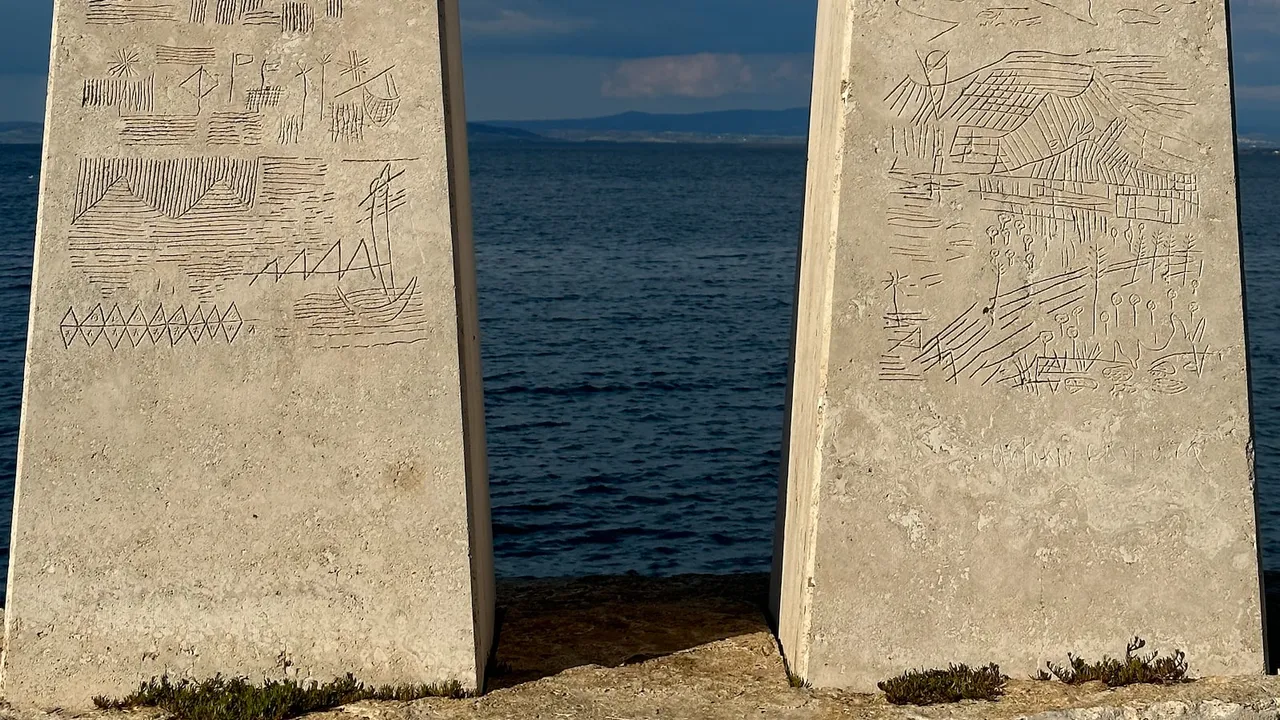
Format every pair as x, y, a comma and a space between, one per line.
157, 328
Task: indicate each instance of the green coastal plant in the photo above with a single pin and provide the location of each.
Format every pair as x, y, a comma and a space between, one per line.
1132, 670
956, 683
222, 698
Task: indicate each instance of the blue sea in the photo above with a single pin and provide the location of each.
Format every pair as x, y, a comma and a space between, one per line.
635, 312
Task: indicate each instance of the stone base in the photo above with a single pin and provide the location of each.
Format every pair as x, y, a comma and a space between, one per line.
697, 647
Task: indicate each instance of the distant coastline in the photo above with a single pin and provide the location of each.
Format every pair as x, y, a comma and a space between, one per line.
770, 127
789, 126
1253, 144
737, 127
21, 133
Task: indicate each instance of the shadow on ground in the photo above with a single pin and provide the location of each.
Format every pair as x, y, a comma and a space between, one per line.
548, 626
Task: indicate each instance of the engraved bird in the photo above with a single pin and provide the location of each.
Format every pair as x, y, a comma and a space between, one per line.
1069, 117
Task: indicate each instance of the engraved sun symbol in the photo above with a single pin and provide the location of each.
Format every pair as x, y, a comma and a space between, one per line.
125, 64
355, 66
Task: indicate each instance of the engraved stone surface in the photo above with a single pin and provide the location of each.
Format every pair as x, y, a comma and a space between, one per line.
1019, 420
252, 434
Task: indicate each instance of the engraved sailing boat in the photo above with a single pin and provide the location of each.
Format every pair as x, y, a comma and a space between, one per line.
384, 303
369, 310
375, 307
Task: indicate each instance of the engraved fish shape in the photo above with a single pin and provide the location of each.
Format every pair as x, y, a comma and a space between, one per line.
1081, 10
954, 13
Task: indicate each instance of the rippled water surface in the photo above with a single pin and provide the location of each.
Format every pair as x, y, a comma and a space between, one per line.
635, 310
1259, 202
19, 190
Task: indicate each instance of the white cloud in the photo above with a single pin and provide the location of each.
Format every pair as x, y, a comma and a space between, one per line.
790, 72
507, 22
705, 75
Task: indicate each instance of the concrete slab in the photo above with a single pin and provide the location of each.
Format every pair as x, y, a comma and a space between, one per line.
252, 433
698, 648
1019, 416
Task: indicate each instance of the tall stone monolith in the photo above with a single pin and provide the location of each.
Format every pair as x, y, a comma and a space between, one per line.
252, 434
1019, 412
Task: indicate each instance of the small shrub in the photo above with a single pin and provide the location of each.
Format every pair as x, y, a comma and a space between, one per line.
222, 698
798, 682
956, 683
1133, 669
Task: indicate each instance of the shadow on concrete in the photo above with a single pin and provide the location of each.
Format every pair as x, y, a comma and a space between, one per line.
551, 625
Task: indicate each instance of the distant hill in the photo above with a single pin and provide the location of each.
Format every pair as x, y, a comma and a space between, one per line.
725, 125
1249, 144
481, 132
21, 133
1259, 129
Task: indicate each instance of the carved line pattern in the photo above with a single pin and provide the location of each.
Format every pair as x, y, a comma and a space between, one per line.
122, 93
297, 17
1076, 161
123, 12
215, 219
150, 327
235, 128
172, 187
195, 56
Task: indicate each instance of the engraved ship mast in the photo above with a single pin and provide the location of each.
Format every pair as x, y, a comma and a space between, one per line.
385, 302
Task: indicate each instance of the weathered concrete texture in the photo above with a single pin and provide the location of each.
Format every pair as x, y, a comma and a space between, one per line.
1019, 420
252, 427
696, 648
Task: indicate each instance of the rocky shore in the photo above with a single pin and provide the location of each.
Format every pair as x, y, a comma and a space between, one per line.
698, 647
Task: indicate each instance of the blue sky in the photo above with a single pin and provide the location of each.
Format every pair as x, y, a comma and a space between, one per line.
535, 59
